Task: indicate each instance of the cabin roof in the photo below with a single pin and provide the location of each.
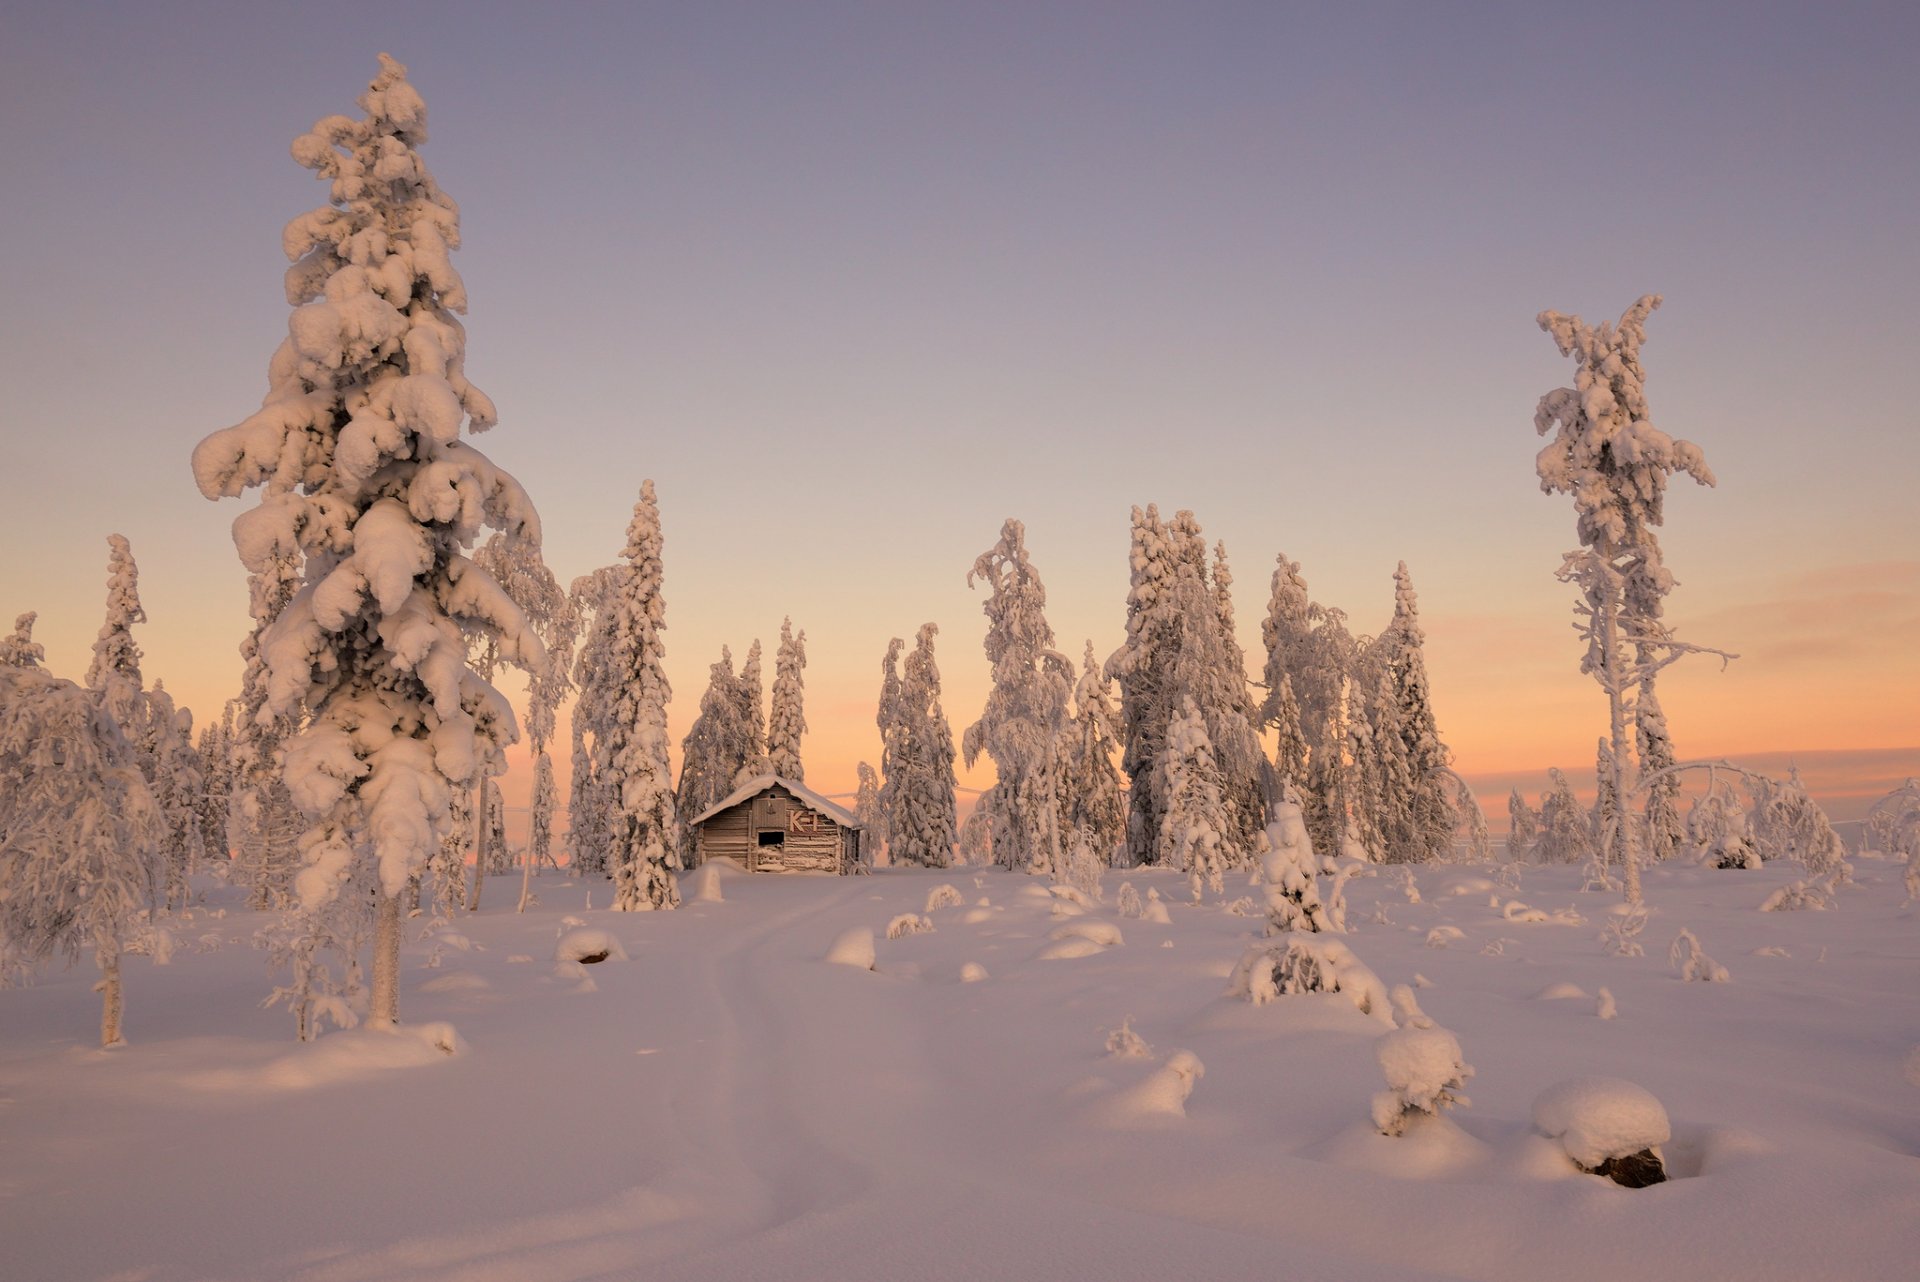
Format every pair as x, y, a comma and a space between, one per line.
804, 795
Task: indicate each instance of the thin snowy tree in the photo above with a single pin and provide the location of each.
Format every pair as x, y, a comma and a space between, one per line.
1608, 455
174, 776
920, 823
890, 716
866, 809
1195, 833
18, 649
263, 826
1523, 827
214, 749
80, 834
116, 658
1666, 831
786, 714
715, 749
1419, 821
1289, 741
1092, 800
1288, 868
1329, 686
1566, 829
358, 445
1026, 707
591, 801
1212, 669
630, 734
1142, 668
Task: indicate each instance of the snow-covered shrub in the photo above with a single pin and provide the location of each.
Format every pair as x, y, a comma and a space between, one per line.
1566, 829
588, 945
1155, 910
908, 924
1787, 823
1124, 1043
1127, 901
1424, 1068
1893, 823
942, 896
1798, 895
1308, 964
1445, 936
852, 948
1084, 867
1620, 938
1607, 1127
1719, 831
1690, 961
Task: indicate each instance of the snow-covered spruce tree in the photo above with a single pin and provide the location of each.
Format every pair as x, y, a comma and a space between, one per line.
116, 659
1213, 669
1286, 634
1789, 824
1566, 830
263, 826
214, 749
1026, 708
79, 832
1142, 668
1523, 827
712, 753
546, 800
1417, 824
1606, 813
1719, 829
920, 823
18, 649
890, 716
590, 805
1608, 455
1666, 831
1330, 686
1195, 834
1288, 868
753, 712
630, 739
1289, 742
358, 447
866, 809
786, 714
173, 774
1091, 798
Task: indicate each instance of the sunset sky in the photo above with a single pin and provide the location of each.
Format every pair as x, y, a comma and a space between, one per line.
854, 283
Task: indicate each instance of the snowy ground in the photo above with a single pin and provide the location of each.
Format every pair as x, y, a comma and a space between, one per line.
726, 1104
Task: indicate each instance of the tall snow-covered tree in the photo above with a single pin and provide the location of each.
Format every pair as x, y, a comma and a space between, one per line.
1330, 687
214, 748
866, 809
715, 750
1142, 667
1608, 455
1092, 802
358, 446
630, 739
116, 658
753, 712
1026, 707
1523, 827
1419, 818
890, 716
786, 715
263, 826
1666, 831
18, 649
1286, 633
591, 803
920, 822
80, 834
1289, 739
173, 774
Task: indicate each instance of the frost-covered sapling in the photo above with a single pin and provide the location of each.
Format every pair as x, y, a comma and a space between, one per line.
1084, 868
80, 833
1620, 937
908, 924
1719, 829
1690, 961
1127, 900
1308, 964
1287, 866
1424, 1068
1124, 1043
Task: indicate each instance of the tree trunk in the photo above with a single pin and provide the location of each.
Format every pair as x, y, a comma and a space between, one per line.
108, 959
385, 1004
480, 836
1617, 713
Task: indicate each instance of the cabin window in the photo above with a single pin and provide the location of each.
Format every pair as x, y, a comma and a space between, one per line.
772, 839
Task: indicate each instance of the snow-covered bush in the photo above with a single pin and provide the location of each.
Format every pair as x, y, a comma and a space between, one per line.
1719, 830
1620, 937
1787, 823
1127, 901
1799, 895
908, 924
1423, 1065
1690, 961
1566, 829
1084, 867
1124, 1043
1155, 909
1607, 1127
1162, 1094
942, 896
588, 945
1308, 964
1287, 866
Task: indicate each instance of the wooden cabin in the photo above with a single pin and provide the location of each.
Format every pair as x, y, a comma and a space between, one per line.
771, 824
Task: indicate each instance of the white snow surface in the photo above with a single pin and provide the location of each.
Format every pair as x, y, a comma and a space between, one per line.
726, 1106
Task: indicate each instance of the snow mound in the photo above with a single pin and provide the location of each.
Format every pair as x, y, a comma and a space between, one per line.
358, 1052
1162, 1094
1599, 1118
908, 924
1104, 933
1562, 992
456, 981
1309, 964
706, 885
1154, 910
1799, 896
1445, 936
1424, 1069
942, 896
972, 973
587, 945
853, 948
974, 916
1069, 949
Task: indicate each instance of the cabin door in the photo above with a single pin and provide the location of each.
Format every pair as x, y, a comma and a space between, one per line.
767, 821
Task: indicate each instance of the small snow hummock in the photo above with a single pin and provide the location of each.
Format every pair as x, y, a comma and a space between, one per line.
1103, 933
1604, 1005
1800, 895
1423, 1066
853, 948
1309, 964
706, 884
1690, 961
972, 973
1162, 1094
1607, 1126
908, 924
587, 945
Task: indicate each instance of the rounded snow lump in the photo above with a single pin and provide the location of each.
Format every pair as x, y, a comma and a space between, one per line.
853, 948
588, 944
1597, 1118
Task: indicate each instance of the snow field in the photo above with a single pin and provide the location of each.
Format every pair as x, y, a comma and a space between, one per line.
729, 1105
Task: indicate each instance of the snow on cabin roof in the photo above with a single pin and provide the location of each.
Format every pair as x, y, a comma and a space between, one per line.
806, 796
